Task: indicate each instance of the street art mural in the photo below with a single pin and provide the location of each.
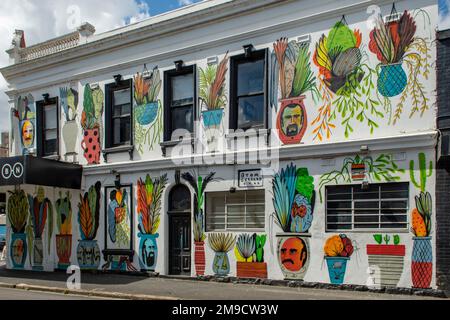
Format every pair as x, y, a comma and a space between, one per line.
41, 214
213, 98
17, 214
25, 112
345, 82
199, 184
91, 122
63, 207
338, 249
69, 103
118, 219
88, 251
386, 261
382, 168
422, 254
294, 201
149, 195
147, 109
293, 77
397, 46
221, 244
249, 252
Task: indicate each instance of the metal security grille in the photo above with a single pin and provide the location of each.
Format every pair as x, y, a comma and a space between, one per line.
380, 207
242, 210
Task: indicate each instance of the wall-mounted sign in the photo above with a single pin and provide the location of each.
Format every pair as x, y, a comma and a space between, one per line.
250, 178
11, 171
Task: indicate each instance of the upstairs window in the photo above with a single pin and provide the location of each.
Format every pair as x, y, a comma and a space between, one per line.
248, 105
119, 114
179, 101
380, 207
48, 124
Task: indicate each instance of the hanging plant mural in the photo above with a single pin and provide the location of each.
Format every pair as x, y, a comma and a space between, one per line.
149, 194
345, 83
26, 115
147, 109
63, 208
382, 168
213, 98
396, 46
293, 77
91, 119
41, 211
69, 103
199, 184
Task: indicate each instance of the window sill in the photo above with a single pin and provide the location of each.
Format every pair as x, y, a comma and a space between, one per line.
172, 143
53, 157
120, 149
248, 133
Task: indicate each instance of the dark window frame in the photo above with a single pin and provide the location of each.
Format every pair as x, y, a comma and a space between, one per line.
407, 188
262, 54
110, 88
40, 106
168, 75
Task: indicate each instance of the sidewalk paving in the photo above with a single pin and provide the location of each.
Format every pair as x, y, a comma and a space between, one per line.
135, 287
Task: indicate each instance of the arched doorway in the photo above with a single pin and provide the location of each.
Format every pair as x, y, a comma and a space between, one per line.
180, 230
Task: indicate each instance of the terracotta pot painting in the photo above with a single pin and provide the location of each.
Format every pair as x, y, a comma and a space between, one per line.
63, 208
249, 253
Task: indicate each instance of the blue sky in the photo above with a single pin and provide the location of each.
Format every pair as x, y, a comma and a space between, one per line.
444, 14
160, 6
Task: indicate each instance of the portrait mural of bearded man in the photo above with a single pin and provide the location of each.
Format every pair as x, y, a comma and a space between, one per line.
293, 254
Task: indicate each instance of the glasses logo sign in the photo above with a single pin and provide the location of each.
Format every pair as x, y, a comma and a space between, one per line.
15, 170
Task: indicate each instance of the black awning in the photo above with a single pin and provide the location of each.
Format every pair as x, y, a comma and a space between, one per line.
38, 171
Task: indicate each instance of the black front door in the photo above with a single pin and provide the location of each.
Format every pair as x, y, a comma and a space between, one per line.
180, 244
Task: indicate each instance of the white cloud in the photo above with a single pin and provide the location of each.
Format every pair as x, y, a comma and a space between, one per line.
185, 2
45, 19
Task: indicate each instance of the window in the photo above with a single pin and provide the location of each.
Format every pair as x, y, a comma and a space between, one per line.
48, 124
119, 114
248, 105
179, 101
235, 211
382, 206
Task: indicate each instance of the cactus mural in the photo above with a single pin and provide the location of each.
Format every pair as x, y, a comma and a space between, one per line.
249, 252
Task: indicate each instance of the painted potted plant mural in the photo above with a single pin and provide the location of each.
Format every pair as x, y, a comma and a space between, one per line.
24, 112
396, 44
147, 110
249, 253
291, 72
345, 82
293, 200
338, 250
212, 92
69, 103
17, 215
221, 244
88, 252
149, 193
91, 123
382, 168
422, 254
199, 184
63, 208
41, 212
387, 258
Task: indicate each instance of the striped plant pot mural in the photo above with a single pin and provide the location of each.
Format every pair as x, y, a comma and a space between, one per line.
389, 260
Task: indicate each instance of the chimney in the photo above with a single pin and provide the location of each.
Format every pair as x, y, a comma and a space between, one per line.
17, 43
86, 30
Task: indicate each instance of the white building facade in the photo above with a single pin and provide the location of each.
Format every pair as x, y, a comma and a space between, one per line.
269, 139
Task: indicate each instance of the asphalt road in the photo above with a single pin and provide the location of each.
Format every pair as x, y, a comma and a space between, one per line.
19, 294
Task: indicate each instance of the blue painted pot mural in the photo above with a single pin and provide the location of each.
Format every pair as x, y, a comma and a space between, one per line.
212, 118
18, 250
148, 248
392, 80
221, 264
146, 113
336, 268
422, 262
88, 254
